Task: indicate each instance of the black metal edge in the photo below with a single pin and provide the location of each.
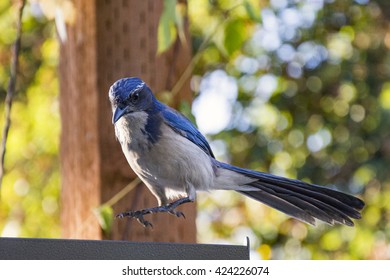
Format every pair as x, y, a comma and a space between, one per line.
75, 249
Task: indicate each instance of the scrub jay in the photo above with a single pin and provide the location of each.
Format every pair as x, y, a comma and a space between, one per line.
174, 160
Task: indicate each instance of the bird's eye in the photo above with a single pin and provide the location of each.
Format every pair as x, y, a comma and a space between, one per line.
135, 96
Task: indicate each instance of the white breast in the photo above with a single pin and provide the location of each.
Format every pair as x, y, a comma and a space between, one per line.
128, 130
173, 162
178, 164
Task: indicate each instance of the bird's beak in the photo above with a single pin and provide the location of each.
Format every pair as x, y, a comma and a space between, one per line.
118, 113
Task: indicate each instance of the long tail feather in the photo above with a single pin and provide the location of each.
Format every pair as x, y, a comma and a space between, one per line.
301, 200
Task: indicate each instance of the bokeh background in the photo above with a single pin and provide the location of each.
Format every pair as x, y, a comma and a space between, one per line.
298, 88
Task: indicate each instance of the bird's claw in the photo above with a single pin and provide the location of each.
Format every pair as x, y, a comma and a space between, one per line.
119, 216
178, 214
139, 215
170, 208
144, 222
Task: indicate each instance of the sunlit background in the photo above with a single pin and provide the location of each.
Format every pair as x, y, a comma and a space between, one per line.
299, 88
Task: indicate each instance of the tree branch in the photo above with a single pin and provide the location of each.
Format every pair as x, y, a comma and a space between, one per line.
11, 87
188, 71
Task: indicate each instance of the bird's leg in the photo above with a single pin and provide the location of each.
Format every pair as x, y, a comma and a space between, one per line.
172, 206
169, 208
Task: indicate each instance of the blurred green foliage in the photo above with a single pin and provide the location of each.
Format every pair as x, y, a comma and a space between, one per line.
313, 102
30, 193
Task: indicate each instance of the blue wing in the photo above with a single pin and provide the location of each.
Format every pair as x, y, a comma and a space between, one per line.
183, 126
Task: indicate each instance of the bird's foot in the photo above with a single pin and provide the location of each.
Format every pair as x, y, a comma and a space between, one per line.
169, 208
177, 213
139, 215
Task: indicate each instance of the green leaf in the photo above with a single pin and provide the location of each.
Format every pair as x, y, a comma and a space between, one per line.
166, 27
235, 34
105, 217
180, 16
252, 11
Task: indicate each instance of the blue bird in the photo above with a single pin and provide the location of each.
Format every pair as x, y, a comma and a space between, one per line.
174, 160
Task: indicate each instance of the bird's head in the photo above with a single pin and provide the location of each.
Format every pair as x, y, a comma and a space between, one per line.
129, 95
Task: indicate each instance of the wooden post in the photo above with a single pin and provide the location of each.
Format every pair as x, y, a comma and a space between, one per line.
110, 40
